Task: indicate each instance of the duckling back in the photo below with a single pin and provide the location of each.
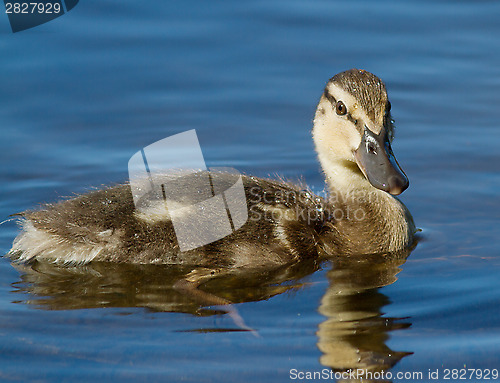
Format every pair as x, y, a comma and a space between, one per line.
285, 224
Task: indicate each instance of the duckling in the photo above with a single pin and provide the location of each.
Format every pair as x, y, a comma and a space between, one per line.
352, 132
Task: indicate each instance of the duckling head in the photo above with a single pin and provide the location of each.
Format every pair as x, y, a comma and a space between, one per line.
353, 132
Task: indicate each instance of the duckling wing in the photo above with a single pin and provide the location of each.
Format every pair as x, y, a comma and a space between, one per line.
76, 230
283, 226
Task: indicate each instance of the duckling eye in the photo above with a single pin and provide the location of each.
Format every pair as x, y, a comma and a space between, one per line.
340, 108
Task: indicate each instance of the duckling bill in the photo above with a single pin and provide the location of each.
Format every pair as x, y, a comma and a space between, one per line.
378, 163
352, 132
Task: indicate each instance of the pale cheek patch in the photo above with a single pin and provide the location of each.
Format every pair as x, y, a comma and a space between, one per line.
345, 140
335, 137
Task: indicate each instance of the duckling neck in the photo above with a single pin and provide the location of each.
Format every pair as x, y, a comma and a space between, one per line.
369, 220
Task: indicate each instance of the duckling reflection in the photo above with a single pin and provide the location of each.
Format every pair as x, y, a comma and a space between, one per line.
354, 335
154, 287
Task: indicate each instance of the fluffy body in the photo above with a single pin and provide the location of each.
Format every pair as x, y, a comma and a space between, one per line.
285, 222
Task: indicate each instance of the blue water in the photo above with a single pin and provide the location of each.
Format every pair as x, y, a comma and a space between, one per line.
81, 94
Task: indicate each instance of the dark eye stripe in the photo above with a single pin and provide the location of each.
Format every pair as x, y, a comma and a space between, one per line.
329, 97
333, 101
357, 123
